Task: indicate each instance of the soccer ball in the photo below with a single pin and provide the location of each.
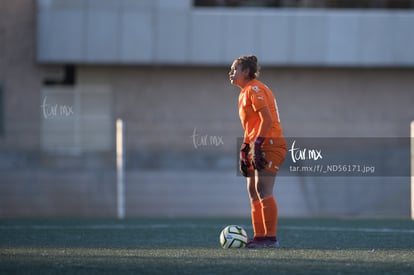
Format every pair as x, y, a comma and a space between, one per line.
233, 236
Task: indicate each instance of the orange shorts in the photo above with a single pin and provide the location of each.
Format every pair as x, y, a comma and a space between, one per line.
274, 151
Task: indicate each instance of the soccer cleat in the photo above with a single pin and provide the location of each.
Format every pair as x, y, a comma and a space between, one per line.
263, 242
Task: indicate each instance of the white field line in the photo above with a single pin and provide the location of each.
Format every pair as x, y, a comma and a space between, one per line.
348, 229
192, 225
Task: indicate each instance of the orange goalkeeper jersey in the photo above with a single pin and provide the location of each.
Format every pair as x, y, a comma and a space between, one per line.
253, 97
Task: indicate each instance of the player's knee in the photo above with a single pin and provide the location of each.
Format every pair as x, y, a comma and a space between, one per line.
264, 190
260, 193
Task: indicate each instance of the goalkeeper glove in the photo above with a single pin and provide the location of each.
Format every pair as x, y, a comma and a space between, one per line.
244, 159
259, 161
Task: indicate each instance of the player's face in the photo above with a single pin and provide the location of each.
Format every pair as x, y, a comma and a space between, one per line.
236, 75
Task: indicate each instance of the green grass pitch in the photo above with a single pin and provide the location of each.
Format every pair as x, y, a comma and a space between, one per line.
191, 246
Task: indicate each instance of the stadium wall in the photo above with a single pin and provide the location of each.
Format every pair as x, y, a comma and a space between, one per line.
176, 32
50, 169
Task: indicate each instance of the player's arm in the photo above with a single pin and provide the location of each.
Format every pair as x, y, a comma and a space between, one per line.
266, 121
246, 138
261, 107
265, 124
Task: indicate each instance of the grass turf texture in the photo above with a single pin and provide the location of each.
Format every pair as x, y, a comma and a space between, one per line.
191, 246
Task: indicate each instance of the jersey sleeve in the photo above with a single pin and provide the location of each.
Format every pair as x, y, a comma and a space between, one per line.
258, 98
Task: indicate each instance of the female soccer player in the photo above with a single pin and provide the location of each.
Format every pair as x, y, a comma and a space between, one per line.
263, 149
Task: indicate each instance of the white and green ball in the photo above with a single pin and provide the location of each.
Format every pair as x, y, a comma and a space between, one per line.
233, 236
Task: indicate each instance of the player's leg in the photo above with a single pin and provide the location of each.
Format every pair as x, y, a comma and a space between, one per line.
256, 208
263, 185
265, 181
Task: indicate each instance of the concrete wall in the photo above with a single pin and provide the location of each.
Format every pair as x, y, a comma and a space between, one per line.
312, 102
175, 32
88, 193
162, 107
19, 75
347, 102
